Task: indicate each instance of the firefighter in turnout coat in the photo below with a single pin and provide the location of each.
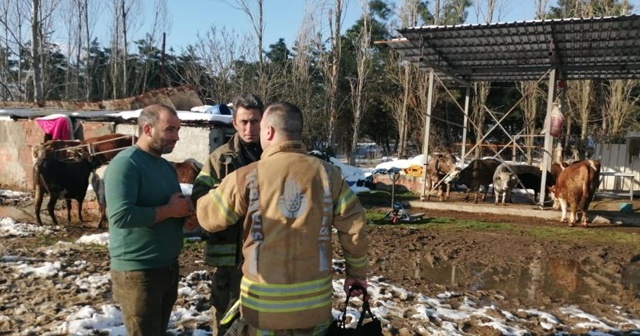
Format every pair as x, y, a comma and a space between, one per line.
222, 249
288, 203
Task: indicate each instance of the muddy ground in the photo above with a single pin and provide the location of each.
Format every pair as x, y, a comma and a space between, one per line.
485, 264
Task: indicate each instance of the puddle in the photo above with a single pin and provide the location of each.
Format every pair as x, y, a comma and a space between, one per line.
556, 278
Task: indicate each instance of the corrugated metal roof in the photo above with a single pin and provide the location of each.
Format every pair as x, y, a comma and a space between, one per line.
604, 48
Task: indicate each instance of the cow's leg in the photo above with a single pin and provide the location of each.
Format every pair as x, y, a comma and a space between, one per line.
102, 215
563, 207
448, 194
80, 209
53, 198
466, 196
68, 202
38, 205
428, 187
585, 217
475, 199
574, 214
497, 196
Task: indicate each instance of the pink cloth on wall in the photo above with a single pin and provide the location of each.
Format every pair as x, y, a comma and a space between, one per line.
59, 128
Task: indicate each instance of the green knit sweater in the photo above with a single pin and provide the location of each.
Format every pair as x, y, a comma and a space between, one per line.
136, 182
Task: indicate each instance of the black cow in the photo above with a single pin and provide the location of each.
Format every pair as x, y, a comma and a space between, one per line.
62, 180
477, 173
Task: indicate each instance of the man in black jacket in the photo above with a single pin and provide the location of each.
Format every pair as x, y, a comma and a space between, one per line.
223, 248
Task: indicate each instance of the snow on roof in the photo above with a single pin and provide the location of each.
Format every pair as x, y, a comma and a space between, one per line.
7, 114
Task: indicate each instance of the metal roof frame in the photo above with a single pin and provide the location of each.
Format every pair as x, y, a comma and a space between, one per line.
563, 49
595, 48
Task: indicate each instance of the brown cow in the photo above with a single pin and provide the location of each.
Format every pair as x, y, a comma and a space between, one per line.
477, 173
106, 147
439, 165
187, 170
575, 188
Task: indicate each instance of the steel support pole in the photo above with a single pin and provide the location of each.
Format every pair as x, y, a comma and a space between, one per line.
548, 140
427, 130
467, 100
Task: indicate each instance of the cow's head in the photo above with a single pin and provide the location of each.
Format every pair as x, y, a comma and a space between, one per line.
504, 180
442, 162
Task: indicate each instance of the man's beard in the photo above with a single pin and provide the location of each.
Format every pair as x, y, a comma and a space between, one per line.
160, 146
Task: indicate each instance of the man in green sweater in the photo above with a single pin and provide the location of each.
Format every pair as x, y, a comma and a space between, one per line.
146, 217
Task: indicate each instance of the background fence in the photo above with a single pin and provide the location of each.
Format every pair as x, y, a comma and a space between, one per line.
615, 158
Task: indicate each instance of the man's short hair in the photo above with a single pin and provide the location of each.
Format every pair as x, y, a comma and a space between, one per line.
151, 114
247, 101
287, 118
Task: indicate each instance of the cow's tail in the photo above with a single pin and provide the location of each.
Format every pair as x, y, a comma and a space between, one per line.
594, 178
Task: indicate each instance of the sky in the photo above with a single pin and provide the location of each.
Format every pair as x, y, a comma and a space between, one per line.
432, 315
283, 18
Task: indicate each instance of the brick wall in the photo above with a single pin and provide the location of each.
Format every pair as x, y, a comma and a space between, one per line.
18, 138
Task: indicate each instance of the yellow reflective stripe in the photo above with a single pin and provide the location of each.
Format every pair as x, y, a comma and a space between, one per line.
286, 306
344, 201
231, 314
357, 262
222, 248
264, 332
282, 290
206, 179
224, 208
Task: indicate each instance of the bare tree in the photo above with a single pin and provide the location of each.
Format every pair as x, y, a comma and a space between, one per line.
621, 105
254, 9
160, 23
408, 17
36, 70
494, 9
218, 51
530, 98
15, 27
363, 69
125, 20
333, 68
303, 92
531, 95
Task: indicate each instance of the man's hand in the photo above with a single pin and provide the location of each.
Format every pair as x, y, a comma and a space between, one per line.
180, 205
350, 282
191, 223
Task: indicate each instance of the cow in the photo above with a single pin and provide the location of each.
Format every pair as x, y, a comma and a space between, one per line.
62, 179
97, 183
187, 170
439, 165
478, 173
575, 188
504, 179
106, 147
54, 149
512, 176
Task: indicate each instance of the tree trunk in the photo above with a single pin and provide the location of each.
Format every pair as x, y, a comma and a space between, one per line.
332, 92
125, 52
88, 63
363, 60
35, 52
